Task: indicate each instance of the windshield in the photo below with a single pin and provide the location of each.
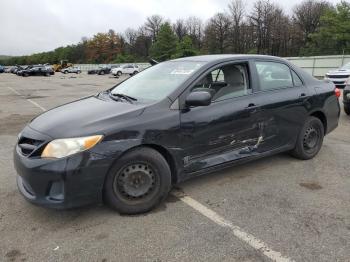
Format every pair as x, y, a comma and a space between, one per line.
347, 66
157, 82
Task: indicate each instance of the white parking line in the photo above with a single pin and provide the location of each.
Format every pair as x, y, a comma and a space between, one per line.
255, 243
29, 100
36, 104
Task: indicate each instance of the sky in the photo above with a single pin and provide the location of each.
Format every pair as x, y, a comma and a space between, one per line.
32, 26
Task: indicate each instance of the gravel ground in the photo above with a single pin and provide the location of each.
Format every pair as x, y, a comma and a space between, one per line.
298, 208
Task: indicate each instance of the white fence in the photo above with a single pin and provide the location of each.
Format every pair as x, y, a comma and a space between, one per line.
316, 65
319, 65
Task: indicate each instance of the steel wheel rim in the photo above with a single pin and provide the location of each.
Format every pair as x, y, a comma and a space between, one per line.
135, 182
311, 138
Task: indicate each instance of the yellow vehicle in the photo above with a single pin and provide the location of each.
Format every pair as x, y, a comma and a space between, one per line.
63, 64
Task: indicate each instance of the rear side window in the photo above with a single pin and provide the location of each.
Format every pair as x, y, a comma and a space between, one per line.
273, 75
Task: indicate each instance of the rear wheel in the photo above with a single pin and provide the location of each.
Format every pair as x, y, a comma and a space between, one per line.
119, 73
347, 110
138, 182
65, 72
310, 139
102, 72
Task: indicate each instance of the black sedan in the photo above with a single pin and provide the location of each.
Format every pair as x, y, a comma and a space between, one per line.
173, 121
100, 71
37, 70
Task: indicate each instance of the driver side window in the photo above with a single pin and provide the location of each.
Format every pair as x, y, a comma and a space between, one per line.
226, 82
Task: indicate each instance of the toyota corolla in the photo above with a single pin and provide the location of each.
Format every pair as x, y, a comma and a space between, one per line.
178, 119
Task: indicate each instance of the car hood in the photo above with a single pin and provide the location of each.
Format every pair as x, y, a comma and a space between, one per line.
87, 116
339, 72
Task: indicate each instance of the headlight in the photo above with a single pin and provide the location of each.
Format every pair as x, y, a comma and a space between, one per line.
67, 146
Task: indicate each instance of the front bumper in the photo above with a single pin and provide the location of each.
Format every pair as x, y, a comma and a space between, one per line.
63, 183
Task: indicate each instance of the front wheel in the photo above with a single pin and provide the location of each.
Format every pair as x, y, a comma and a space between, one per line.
347, 109
138, 182
310, 139
119, 73
102, 72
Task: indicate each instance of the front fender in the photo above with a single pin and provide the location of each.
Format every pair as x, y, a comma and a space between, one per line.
115, 148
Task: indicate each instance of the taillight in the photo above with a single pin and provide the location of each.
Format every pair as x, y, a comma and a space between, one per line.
337, 92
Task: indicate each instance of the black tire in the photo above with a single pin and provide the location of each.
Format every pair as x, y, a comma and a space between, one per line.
47, 74
310, 139
78, 72
65, 72
347, 110
138, 181
102, 73
25, 74
135, 72
119, 73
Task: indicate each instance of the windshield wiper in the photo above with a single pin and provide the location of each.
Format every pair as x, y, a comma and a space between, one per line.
130, 99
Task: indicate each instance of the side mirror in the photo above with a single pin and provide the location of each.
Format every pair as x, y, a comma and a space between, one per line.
198, 98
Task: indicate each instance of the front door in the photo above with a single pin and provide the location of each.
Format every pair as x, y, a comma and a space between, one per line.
227, 129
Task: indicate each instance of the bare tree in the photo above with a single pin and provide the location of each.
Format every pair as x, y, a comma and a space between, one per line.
262, 18
130, 36
153, 24
195, 30
218, 33
307, 15
237, 12
180, 28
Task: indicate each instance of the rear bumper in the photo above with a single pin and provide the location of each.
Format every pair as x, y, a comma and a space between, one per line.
339, 82
62, 183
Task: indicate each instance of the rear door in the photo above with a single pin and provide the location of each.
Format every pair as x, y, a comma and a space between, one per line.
227, 129
283, 99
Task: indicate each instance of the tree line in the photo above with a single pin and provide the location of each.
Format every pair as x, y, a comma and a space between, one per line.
315, 27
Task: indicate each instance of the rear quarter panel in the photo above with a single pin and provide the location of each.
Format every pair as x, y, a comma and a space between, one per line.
328, 103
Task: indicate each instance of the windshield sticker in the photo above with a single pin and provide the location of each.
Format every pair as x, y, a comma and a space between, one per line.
181, 71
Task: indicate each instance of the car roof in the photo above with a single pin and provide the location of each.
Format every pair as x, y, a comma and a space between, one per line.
225, 57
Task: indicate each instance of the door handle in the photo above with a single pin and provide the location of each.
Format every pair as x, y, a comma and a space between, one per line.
302, 95
251, 105
252, 108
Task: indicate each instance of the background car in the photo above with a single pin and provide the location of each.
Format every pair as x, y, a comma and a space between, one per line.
72, 69
36, 70
339, 76
50, 69
2, 69
126, 69
102, 70
16, 68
